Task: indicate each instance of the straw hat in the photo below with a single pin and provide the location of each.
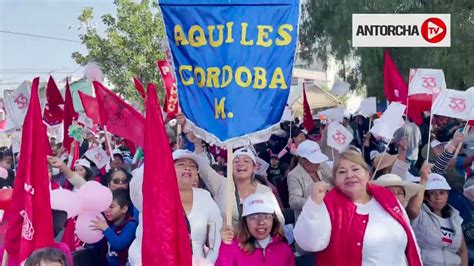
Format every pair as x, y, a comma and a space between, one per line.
391, 180
385, 160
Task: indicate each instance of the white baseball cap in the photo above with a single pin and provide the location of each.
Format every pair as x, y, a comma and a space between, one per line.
117, 152
258, 203
186, 154
310, 150
246, 151
437, 182
83, 163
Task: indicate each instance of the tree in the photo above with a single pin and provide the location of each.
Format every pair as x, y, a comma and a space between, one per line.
130, 47
326, 31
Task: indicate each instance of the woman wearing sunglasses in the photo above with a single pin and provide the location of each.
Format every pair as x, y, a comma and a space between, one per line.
259, 239
118, 179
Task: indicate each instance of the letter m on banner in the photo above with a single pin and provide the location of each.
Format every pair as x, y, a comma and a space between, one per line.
233, 65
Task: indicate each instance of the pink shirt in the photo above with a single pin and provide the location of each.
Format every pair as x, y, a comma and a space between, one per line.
277, 253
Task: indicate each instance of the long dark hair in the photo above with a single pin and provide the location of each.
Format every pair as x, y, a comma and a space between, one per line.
247, 241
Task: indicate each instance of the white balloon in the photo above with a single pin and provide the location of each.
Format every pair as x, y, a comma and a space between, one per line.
92, 72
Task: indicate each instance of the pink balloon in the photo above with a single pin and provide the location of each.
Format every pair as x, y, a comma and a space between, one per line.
83, 230
3, 173
66, 200
95, 198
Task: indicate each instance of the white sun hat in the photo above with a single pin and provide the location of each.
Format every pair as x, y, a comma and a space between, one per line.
391, 180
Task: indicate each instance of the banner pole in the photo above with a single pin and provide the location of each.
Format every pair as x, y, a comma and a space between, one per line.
465, 132
380, 161
5, 258
109, 146
429, 138
230, 185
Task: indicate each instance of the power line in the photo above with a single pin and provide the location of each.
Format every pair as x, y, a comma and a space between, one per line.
39, 36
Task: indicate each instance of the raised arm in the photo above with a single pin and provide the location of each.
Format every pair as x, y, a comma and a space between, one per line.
313, 228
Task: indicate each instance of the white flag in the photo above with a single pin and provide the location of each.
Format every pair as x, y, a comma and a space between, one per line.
390, 121
368, 107
98, 156
340, 88
336, 114
426, 81
85, 120
262, 166
16, 106
16, 141
338, 136
453, 103
56, 131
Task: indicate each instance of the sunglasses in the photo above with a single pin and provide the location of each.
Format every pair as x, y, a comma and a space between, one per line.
119, 181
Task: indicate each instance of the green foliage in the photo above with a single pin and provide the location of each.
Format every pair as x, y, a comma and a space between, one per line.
130, 47
326, 30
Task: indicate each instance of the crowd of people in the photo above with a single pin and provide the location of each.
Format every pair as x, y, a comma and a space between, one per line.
295, 200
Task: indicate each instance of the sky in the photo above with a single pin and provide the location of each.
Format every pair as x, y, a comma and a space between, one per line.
25, 57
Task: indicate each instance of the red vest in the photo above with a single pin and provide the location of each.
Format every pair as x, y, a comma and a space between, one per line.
348, 228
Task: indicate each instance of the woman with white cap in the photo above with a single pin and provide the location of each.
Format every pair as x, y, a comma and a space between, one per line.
259, 238
356, 223
201, 210
243, 171
438, 228
81, 174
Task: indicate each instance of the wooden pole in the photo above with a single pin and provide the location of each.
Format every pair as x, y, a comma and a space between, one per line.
230, 185
380, 161
109, 146
429, 138
465, 132
5, 258
178, 136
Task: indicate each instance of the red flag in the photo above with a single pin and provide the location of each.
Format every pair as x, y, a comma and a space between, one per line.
165, 224
139, 87
30, 215
53, 114
396, 89
69, 115
308, 122
171, 101
120, 118
91, 107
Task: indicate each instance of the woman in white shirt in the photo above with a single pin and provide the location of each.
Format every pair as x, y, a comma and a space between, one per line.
201, 210
356, 223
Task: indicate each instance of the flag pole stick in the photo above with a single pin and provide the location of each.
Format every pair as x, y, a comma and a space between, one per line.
429, 138
332, 153
230, 185
380, 161
465, 132
109, 146
5, 258
178, 136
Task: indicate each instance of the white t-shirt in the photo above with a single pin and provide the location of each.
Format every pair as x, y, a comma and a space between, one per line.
385, 239
206, 222
447, 231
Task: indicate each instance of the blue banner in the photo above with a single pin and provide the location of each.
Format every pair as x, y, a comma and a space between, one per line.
233, 61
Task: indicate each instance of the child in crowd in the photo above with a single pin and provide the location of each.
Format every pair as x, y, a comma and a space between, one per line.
259, 239
47, 256
119, 229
